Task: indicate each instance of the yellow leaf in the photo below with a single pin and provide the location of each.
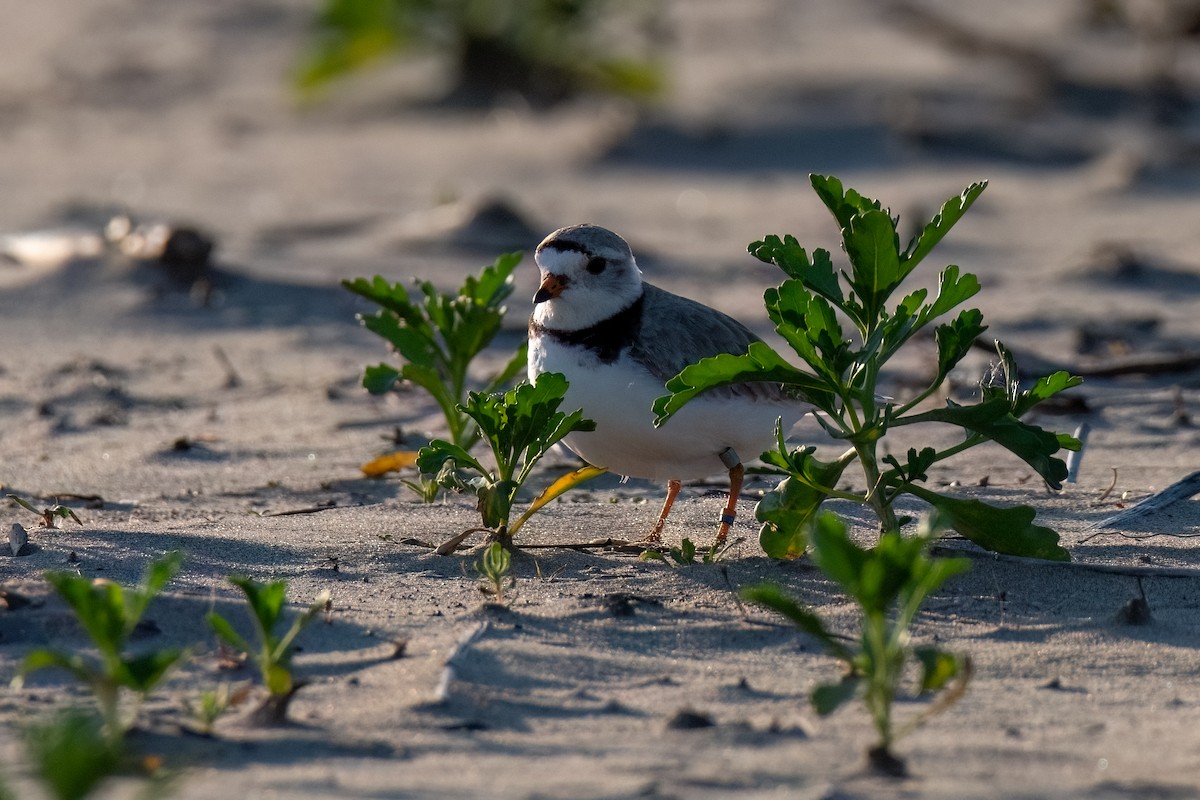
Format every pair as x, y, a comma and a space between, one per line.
566, 482
392, 462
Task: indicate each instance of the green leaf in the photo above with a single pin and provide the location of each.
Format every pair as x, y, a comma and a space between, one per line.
1001, 530
99, 606
954, 339
915, 466
412, 344
993, 420
938, 667
160, 572
951, 212
759, 363
225, 631
829, 697
265, 600
836, 555
53, 659
1045, 387
954, 288
144, 672
816, 273
433, 456
787, 511
157, 575
391, 296
843, 203
380, 378
808, 323
23, 504
773, 597
871, 245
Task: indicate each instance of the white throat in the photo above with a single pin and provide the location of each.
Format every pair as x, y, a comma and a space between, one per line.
587, 299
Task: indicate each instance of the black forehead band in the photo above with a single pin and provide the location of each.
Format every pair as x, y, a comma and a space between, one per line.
564, 246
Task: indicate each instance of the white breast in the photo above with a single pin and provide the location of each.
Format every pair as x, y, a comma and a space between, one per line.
618, 396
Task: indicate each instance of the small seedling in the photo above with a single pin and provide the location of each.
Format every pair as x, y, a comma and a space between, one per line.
273, 653
438, 335
213, 704
888, 582
844, 382
519, 426
109, 613
52, 516
685, 554
494, 568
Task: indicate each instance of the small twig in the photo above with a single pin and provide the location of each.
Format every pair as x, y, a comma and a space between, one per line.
610, 544
309, 510
1180, 490
82, 498
1111, 486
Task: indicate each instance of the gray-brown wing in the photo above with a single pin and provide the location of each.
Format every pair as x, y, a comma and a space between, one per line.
677, 332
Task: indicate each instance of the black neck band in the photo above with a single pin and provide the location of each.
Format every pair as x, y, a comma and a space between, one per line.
606, 338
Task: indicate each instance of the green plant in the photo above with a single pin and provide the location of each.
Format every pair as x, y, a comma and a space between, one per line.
109, 614
519, 426
50, 516
212, 704
888, 582
494, 568
273, 653
438, 335
71, 755
685, 554
843, 383
544, 50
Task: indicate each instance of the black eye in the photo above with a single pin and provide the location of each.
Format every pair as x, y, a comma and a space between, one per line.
596, 265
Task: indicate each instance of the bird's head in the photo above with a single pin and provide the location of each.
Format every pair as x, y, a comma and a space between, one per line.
588, 273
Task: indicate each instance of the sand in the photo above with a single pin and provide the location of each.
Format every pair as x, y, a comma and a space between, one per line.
197, 426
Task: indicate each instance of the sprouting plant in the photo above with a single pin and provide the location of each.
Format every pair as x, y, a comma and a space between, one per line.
888, 582
544, 50
212, 704
437, 336
844, 377
273, 653
685, 554
519, 426
109, 614
495, 569
51, 515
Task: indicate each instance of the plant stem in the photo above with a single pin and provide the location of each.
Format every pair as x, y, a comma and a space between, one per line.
876, 496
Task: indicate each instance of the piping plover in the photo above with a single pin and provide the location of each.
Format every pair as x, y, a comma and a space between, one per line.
618, 340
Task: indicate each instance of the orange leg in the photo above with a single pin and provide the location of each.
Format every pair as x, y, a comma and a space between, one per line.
736, 475
655, 534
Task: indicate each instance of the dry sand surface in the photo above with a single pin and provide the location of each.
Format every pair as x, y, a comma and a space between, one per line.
115, 384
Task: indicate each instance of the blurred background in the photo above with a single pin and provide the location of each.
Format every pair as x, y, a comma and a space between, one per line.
308, 141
